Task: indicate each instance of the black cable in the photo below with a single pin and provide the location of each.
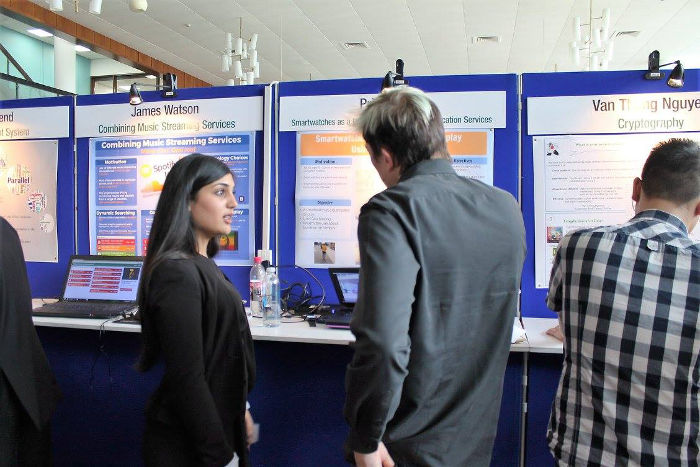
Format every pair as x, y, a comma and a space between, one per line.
310, 297
295, 297
101, 352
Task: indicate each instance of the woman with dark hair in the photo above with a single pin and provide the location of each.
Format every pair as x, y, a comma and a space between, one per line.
193, 318
28, 390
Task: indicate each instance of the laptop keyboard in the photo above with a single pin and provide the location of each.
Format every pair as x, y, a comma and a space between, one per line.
82, 309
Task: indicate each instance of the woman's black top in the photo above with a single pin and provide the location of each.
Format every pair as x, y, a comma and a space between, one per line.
195, 319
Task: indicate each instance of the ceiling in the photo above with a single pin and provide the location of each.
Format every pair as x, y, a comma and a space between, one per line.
303, 39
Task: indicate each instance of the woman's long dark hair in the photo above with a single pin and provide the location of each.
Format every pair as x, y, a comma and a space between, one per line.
172, 234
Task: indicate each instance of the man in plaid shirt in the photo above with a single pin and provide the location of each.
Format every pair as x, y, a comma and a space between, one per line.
628, 299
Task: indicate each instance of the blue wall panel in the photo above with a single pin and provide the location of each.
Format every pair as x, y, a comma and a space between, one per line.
237, 274
571, 84
46, 279
506, 164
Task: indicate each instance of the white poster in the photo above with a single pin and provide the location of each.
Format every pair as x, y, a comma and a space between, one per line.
335, 178
126, 180
473, 109
180, 118
28, 195
615, 113
583, 182
34, 123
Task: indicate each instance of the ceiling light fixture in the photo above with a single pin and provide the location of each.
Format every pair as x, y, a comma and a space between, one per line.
355, 45
242, 55
95, 7
598, 43
81, 48
483, 39
138, 6
169, 87
56, 5
39, 32
677, 77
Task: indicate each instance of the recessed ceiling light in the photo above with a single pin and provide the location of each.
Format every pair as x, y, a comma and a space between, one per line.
39, 32
482, 39
151, 76
627, 33
355, 45
81, 48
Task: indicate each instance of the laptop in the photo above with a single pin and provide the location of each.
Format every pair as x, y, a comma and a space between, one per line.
346, 282
97, 287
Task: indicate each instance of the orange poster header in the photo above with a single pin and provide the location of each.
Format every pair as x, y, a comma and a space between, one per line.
466, 143
332, 144
461, 143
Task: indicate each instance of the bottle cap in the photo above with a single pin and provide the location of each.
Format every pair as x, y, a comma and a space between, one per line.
257, 260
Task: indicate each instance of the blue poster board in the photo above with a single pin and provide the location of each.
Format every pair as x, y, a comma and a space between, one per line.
570, 84
251, 185
506, 166
46, 279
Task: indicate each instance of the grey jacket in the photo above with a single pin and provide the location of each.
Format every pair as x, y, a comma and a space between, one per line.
441, 259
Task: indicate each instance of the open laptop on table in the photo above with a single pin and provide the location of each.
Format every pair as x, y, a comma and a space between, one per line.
97, 287
346, 282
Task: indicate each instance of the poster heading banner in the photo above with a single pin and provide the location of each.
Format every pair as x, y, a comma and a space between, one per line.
34, 123
482, 109
189, 117
620, 113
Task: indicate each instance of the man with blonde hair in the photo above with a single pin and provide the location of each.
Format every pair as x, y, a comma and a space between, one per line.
441, 258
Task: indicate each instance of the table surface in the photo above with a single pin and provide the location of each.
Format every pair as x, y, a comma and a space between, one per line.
297, 331
536, 337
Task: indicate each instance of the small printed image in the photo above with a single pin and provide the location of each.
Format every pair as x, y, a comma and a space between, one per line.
552, 149
36, 202
554, 234
229, 242
324, 252
130, 274
47, 223
152, 176
19, 179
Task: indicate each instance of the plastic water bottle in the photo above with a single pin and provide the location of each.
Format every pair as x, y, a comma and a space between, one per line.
257, 276
271, 298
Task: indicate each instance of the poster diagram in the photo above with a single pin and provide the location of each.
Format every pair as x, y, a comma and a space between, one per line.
126, 179
335, 178
472, 153
28, 195
583, 182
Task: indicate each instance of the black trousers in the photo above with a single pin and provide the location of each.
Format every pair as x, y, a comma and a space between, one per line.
21, 442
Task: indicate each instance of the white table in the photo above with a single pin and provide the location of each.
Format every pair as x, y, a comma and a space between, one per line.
287, 331
538, 341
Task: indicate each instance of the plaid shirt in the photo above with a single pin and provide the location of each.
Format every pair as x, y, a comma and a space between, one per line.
628, 298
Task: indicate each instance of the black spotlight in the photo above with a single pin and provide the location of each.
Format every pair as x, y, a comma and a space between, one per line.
169, 87
392, 79
675, 79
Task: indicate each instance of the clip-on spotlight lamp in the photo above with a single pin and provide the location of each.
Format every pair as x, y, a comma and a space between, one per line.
392, 79
675, 79
169, 87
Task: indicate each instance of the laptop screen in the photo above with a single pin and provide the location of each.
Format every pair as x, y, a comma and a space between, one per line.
346, 283
103, 278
